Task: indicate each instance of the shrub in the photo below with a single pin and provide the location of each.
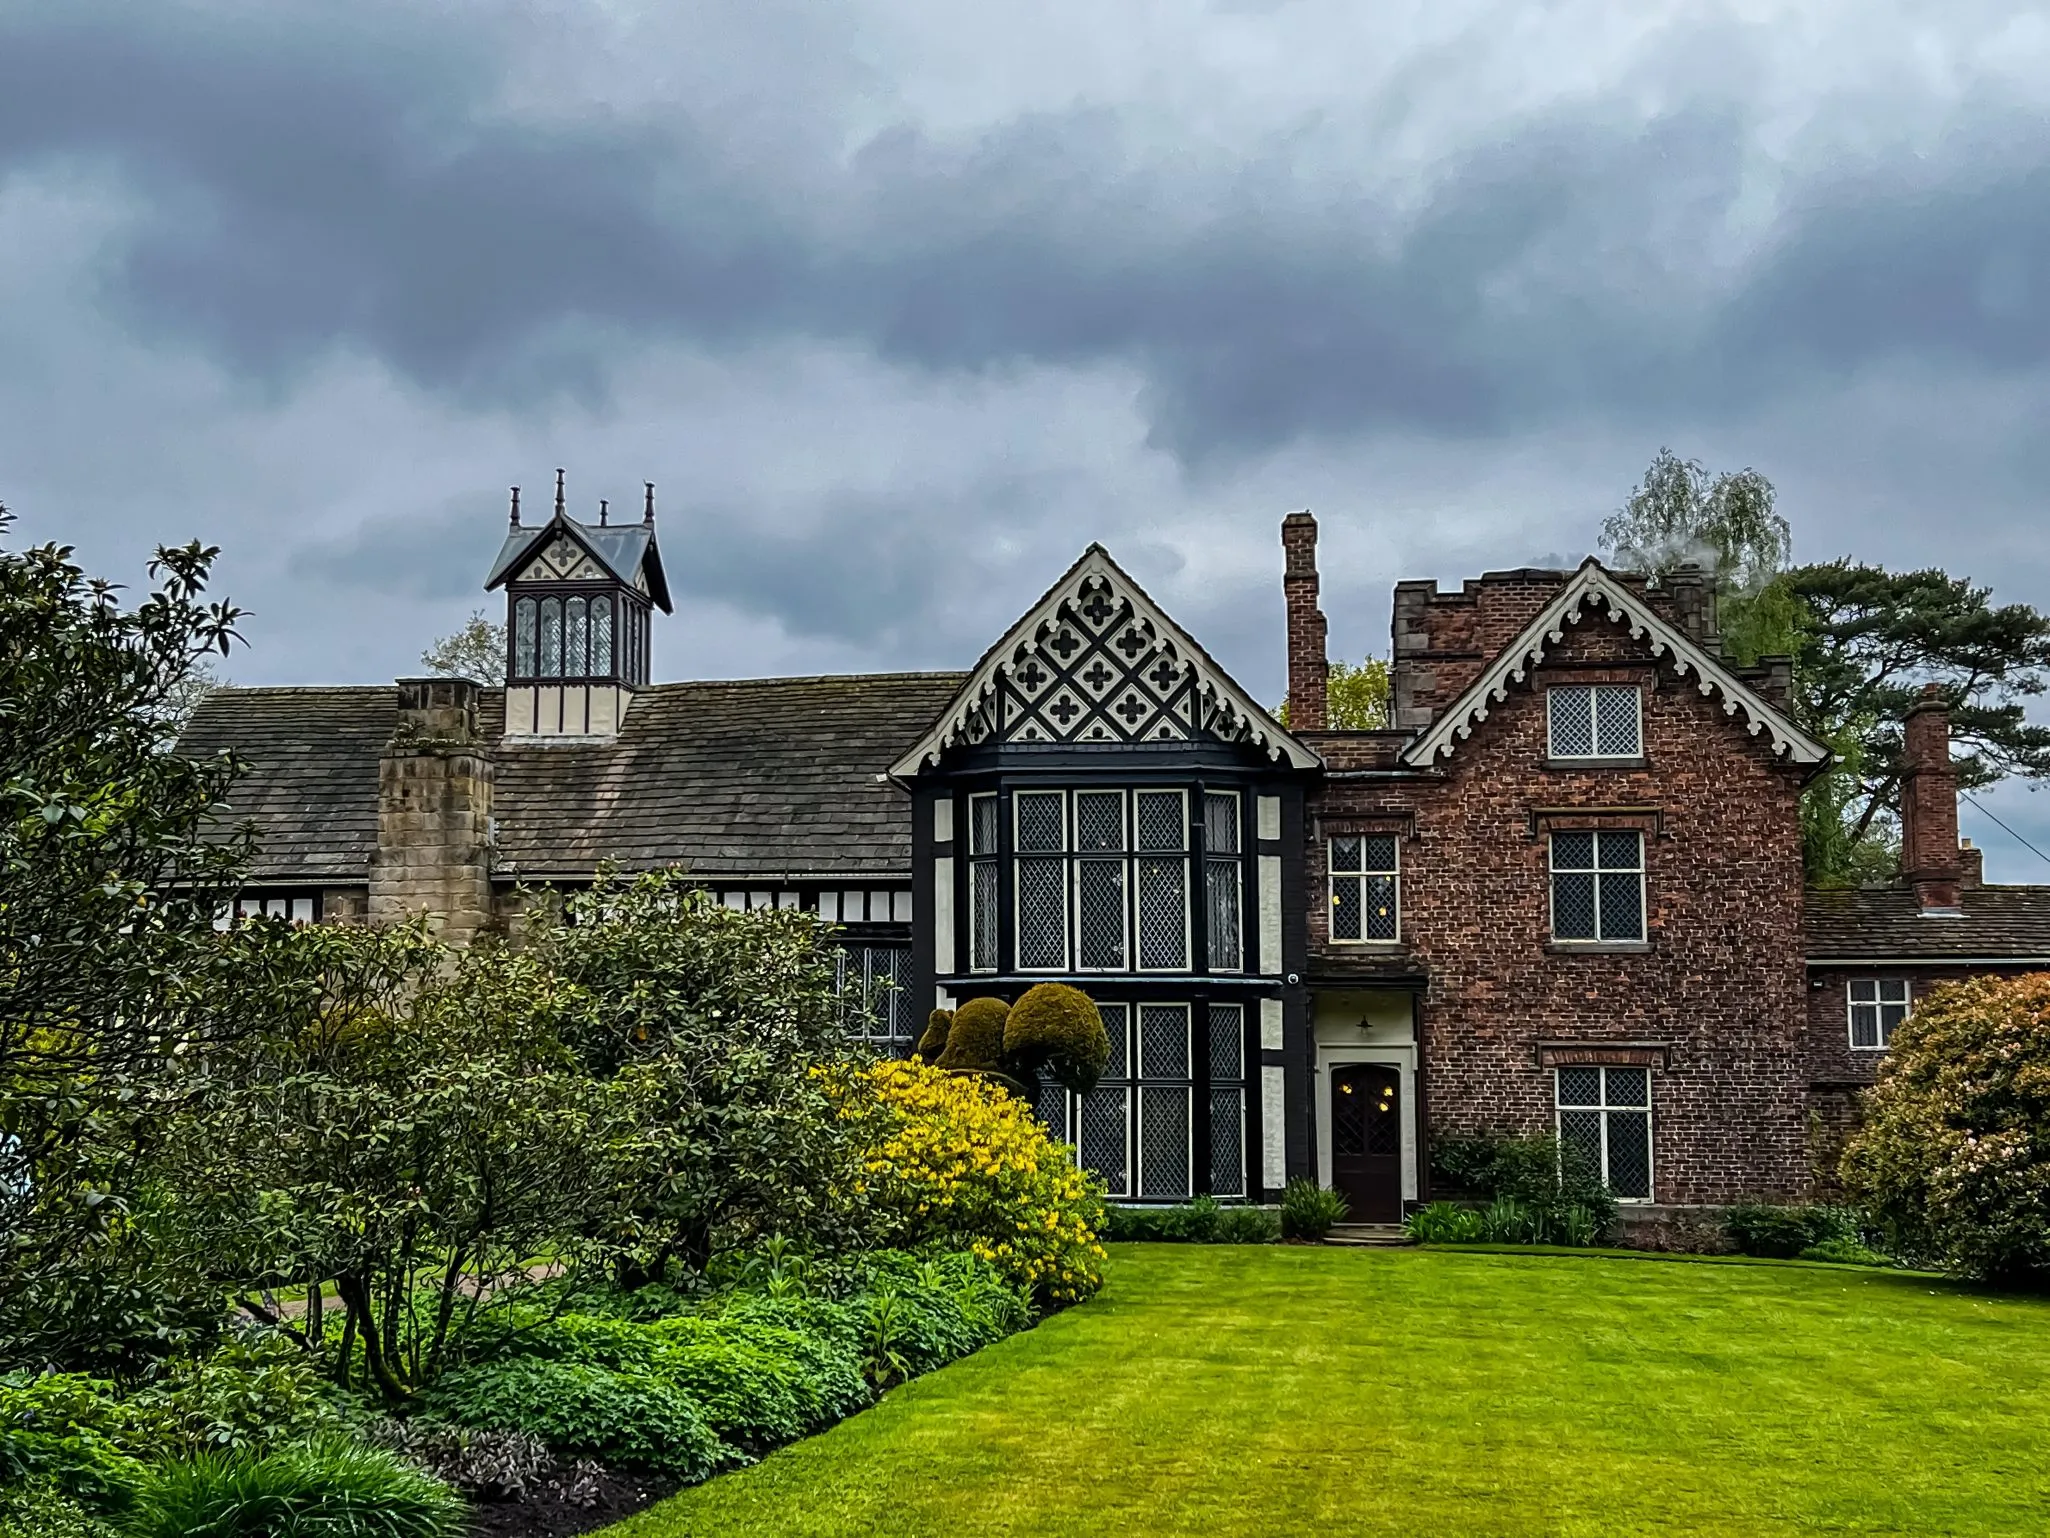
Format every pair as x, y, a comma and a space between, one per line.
975, 1039
327, 1489
498, 1465
1057, 1028
1444, 1223
1845, 1252
620, 1416
255, 1391
1308, 1210
1954, 1154
76, 1433
1564, 1199
934, 1041
1202, 1221
39, 1509
954, 1160
1759, 1228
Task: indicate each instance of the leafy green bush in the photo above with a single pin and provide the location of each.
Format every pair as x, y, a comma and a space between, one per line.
1057, 1028
254, 1391
934, 1041
976, 1037
1202, 1221
1445, 1223
1557, 1198
1781, 1233
1310, 1211
1953, 1158
39, 1509
76, 1433
329, 1489
1845, 1252
620, 1416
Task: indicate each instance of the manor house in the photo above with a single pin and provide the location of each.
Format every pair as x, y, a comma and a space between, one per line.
1561, 891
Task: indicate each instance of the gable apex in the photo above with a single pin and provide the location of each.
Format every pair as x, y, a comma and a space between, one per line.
1592, 588
1096, 660
626, 552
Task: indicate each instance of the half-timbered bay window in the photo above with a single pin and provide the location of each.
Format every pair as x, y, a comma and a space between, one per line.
1100, 881
983, 877
1878, 1005
1598, 885
1605, 1121
1366, 887
1223, 881
1595, 721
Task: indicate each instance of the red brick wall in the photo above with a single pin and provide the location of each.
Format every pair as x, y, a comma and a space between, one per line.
1308, 663
1721, 982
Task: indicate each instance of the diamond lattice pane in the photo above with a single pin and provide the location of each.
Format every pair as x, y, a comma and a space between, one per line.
1580, 1140
1381, 919
1384, 1115
1865, 1025
1573, 907
1039, 822
1050, 1105
1580, 1086
1622, 906
1103, 1143
1220, 823
1042, 914
1345, 854
1099, 821
1348, 1117
1227, 1142
1117, 1025
982, 825
1620, 851
1572, 720
1227, 1042
1628, 1086
1163, 914
1572, 851
1161, 822
982, 916
1346, 908
1221, 911
1100, 914
1164, 1142
1163, 1041
1379, 851
1630, 1153
1615, 723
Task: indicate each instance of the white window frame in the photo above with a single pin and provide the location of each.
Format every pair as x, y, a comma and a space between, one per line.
1122, 857
1878, 1003
1144, 1084
1064, 856
1650, 1113
1189, 876
1593, 692
1333, 876
1597, 870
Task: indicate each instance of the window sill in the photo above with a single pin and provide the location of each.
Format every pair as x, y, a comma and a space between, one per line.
1368, 945
1598, 947
1597, 763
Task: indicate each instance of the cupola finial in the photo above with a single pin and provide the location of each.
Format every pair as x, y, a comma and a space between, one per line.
516, 507
558, 493
648, 516
601, 512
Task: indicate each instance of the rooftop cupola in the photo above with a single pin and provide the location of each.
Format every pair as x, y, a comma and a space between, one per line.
578, 599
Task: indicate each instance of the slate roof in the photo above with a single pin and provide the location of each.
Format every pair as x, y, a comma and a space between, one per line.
618, 547
772, 778
1883, 923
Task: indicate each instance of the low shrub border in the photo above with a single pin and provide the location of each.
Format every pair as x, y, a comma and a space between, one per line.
1202, 1221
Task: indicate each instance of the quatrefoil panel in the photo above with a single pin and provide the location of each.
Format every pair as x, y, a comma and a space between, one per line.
1031, 677
1098, 677
1097, 606
1064, 711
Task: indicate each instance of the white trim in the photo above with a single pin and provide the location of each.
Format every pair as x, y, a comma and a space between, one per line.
1843, 962
1592, 584
943, 915
1021, 641
1877, 1004
1403, 1061
1594, 721
1597, 870
1603, 1110
1270, 915
1273, 1131
1331, 878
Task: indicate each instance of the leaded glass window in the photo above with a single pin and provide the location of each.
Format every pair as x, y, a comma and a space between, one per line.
1162, 878
551, 638
1878, 1006
1604, 1121
601, 636
1595, 721
1366, 887
1103, 1131
875, 998
1598, 885
1223, 883
982, 883
1041, 835
574, 638
1100, 865
523, 638
1164, 1091
1227, 1100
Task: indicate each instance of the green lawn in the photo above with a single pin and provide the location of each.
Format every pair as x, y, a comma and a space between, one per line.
1225, 1390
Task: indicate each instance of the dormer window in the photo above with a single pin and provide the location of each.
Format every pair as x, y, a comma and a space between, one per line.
1594, 721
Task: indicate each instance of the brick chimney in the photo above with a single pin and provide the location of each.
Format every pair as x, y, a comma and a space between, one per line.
1308, 668
1930, 858
1691, 591
434, 802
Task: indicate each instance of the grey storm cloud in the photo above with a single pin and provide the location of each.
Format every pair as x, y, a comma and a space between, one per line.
302, 185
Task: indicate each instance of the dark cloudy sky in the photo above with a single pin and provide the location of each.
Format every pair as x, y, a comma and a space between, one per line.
900, 304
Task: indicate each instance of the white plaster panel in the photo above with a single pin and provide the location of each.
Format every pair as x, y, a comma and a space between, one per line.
943, 820
604, 710
1270, 915
519, 712
1273, 1131
943, 912
1270, 1025
1267, 812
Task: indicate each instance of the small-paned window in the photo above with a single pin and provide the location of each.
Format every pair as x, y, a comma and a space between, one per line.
875, 996
1040, 838
1164, 1089
1100, 867
523, 638
1598, 885
601, 636
1102, 1129
293, 907
1161, 820
1223, 881
1605, 1124
1227, 1100
982, 883
1878, 1006
1366, 887
1595, 721
574, 638
551, 638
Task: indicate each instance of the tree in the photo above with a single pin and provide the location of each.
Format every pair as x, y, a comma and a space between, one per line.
475, 651
1725, 523
1954, 1151
1355, 697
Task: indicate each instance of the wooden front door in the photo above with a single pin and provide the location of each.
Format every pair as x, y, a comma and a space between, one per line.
1366, 1141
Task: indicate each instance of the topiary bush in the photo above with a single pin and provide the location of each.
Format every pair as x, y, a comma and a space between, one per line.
1953, 1158
1057, 1028
954, 1160
324, 1489
934, 1041
975, 1039
1310, 1211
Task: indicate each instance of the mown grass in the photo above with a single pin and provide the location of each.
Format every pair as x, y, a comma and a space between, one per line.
1264, 1390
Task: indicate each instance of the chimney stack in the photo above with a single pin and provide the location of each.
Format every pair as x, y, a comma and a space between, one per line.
1930, 858
1308, 668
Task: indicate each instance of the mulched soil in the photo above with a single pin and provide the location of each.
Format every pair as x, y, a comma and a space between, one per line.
612, 1497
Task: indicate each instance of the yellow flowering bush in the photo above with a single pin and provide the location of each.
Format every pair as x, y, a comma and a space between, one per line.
952, 1156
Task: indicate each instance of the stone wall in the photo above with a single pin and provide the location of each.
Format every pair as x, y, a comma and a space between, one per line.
434, 809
